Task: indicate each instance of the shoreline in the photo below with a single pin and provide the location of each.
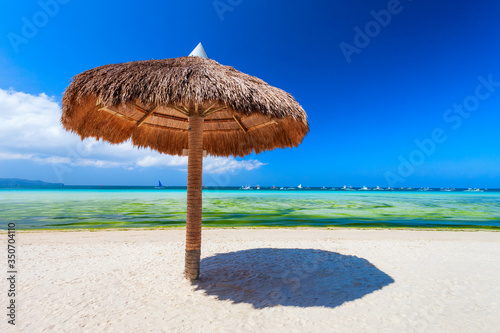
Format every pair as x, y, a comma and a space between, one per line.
439, 229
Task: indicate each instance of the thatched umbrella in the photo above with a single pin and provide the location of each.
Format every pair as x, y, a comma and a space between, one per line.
191, 104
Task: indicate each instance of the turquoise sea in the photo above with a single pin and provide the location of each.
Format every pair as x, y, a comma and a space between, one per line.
129, 207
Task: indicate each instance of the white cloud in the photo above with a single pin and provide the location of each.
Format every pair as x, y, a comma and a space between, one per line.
30, 129
210, 164
222, 165
51, 160
14, 156
30, 122
97, 163
162, 160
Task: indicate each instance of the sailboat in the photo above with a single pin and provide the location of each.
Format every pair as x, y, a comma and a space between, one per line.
300, 186
160, 186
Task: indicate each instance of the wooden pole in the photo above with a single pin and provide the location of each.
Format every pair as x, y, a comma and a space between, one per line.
194, 198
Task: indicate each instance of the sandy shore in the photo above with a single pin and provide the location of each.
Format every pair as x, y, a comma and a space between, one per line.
279, 280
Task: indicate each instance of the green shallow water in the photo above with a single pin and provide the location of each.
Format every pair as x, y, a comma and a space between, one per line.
128, 208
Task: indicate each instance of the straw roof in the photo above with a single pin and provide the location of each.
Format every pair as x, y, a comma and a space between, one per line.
149, 102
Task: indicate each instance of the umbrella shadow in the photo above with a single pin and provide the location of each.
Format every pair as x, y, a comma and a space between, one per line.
290, 277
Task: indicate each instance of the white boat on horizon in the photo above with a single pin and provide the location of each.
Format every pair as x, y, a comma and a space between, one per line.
364, 188
345, 188
474, 190
423, 189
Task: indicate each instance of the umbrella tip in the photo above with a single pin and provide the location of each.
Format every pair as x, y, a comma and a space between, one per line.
199, 51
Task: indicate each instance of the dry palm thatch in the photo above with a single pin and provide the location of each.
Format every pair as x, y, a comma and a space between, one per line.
184, 103
150, 102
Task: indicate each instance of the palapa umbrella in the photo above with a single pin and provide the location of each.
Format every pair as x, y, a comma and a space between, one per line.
188, 104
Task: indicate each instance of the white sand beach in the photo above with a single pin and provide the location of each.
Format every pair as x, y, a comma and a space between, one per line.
258, 280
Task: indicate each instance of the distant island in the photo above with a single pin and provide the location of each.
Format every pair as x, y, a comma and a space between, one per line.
15, 182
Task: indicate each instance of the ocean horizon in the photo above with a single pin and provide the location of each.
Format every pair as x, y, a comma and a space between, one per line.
96, 207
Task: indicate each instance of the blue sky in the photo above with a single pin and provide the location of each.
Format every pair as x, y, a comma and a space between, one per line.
398, 93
